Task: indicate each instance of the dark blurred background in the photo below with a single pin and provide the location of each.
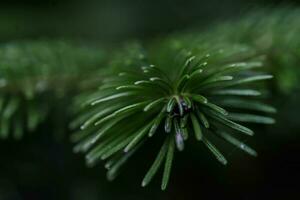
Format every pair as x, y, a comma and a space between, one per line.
114, 20
39, 167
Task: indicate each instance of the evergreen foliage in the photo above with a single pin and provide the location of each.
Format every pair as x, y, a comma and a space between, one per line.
175, 88
191, 85
37, 80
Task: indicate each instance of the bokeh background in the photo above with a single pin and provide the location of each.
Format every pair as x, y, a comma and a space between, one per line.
40, 167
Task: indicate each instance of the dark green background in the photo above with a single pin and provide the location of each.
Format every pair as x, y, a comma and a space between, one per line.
40, 167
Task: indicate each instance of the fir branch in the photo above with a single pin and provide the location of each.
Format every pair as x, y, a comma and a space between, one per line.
37, 79
172, 88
